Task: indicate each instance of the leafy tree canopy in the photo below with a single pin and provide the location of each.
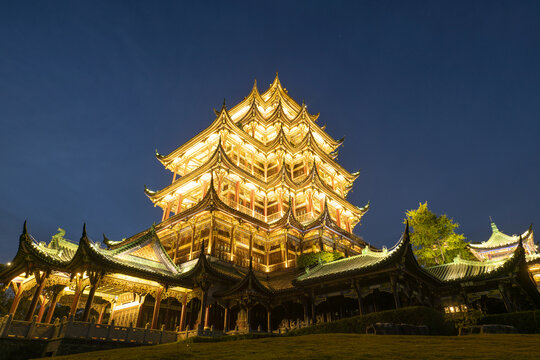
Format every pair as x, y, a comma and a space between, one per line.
434, 237
310, 259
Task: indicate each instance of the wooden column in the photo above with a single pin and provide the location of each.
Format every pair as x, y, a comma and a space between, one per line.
280, 202
211, 235
393, 282
206, 317
202, 311
179, 203
94, 281
231, 245
310, 202
139, 323
250, 244
183, 314
44, 302
157, 304
248, 319
265, 208
102, 312
177, 243
52, 306
237, 194
174, 174
286, 248
269, 320
313, 315
193, 226
359, 295
338, 217
40, 283
18, 290
252, 202
167, 316
226, 320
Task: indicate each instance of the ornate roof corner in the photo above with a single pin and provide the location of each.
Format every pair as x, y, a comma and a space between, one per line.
159, 156
149, 192
366, 207
25, 228
108, 242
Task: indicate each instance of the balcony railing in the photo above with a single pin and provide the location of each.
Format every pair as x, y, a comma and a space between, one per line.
306, 217
243, 209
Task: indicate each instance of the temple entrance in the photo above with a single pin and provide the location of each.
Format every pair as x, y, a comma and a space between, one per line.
169, 313
378, 301
335, 308
288, 311
259, 317
216, 316
192, 313
490, 305
233, 317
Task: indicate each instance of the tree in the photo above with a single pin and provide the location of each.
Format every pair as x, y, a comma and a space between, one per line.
321, 257
434, 237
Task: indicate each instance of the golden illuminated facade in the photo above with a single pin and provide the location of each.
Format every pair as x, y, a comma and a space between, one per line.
250, 197
273, 169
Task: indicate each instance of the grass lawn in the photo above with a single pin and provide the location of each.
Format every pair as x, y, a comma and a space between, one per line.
338, 346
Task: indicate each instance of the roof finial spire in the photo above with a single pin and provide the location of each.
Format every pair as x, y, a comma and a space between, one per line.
84, 230
493, 226
25, 229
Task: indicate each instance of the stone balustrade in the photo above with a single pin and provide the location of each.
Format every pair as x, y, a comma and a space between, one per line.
70, 329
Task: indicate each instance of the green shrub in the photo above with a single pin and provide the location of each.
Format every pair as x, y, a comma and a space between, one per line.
417, 315
210, 339
526, 322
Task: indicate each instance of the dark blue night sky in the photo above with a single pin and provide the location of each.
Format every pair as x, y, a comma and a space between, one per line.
439, 101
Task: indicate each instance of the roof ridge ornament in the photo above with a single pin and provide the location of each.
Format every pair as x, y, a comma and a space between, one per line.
25, 228
494, 227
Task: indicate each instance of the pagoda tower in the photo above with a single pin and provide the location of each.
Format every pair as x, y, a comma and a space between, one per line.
262, 183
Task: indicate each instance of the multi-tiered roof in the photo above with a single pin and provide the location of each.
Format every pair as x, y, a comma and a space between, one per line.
268, 163
274, 147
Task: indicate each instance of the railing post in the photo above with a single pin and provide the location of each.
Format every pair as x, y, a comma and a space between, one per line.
90, 328
146, 332
110, 330
56, 331
161, 334
7, 325
129, 331
31, 328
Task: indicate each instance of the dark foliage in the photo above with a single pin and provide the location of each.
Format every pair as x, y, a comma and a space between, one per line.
526, 322
357, 324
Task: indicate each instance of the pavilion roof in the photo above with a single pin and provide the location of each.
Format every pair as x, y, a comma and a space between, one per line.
461, 270
499, 239
368, 261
